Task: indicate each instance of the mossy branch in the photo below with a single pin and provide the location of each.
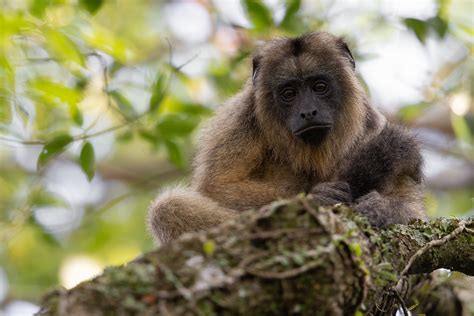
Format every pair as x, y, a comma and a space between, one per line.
290, 257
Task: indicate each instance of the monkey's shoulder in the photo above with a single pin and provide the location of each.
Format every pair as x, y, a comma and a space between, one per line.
395, 144
392, 154
234, 121
231, 137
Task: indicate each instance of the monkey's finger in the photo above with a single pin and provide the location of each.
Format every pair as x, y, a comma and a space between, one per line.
325, 200
336, 185
335, 194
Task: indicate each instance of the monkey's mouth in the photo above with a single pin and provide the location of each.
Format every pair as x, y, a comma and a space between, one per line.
313, 129
313, 135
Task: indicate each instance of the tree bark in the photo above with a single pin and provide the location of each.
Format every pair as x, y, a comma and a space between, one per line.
288, 258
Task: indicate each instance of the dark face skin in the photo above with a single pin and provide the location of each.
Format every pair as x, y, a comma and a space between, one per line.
308, 106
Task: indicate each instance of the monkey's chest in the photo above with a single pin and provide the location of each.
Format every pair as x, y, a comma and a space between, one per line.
283, 178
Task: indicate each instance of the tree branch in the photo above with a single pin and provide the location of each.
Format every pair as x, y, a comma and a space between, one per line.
290, 257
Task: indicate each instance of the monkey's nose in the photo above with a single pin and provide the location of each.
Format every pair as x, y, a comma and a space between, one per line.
308, 115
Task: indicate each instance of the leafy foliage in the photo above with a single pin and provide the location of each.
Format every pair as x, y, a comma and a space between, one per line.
290, 18
109, 92
158, 92
419, 27
259, 14
87, 160
53, 148
91, 5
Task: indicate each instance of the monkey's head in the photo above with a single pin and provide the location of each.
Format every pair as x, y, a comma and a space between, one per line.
306, 93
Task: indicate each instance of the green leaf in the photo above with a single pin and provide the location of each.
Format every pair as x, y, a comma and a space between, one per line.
125, 136
13, 22
411, 112
209, 247
87, 160
53, 92
7, 83
177, 106
469, 30
149, 136
419, 27
41, 197
46, 236
443, 8
53, 148
158, 92
23, 114
91, 5
175, 153
461, 128
439, 25
292, 7
177, 125
76, 114
107, 41
356, 249
194, 109
5, 111
38, 7
123, 104
62, 48
258, 14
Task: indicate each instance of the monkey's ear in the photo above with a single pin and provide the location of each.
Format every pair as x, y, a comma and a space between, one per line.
255, 67
345, 49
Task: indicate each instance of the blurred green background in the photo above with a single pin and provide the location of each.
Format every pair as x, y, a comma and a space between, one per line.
100, 100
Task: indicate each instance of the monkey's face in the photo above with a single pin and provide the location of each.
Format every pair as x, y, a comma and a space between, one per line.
308, 105
304, 84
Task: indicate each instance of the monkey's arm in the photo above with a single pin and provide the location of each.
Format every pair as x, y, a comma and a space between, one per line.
385, 178
330, 193
179, 210
231, 166
397, 205
232, 184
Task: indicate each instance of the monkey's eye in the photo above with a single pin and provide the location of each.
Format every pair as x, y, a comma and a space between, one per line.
320, 87
288, 94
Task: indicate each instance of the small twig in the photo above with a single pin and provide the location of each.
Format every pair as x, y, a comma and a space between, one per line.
105, 71
249, 259
293, 272
22, 142
170, 51
434, 243
74, 138
284, 274
396, 294
178, 68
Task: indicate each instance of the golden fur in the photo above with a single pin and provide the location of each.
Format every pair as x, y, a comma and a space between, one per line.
247, 158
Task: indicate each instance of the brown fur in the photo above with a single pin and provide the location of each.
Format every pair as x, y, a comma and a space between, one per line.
248, 158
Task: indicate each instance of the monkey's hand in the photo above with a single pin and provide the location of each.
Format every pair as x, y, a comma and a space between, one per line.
375, 207
330, 193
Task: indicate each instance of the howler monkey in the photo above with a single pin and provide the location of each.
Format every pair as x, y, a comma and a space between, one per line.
301, 123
